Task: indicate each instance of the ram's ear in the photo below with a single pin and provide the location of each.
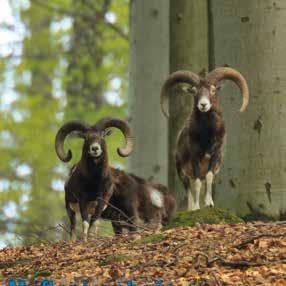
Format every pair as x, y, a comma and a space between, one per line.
107, 132
190, 89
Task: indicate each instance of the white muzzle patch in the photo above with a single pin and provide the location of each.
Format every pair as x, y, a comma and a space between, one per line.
95, 150
204, 104
156, 198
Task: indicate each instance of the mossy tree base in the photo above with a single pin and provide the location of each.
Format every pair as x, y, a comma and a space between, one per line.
204, 216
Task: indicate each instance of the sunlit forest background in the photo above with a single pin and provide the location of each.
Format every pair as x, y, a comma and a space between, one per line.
60, 60
86, 59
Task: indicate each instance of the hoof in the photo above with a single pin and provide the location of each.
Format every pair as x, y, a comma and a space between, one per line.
209, 201
73, 237
195, 207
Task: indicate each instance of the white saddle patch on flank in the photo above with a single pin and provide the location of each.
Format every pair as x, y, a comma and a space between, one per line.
156, 198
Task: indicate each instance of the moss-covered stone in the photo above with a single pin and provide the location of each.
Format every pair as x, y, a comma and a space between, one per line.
204, 216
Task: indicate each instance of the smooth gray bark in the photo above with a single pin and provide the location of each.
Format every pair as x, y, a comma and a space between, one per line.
188, 50
250, 36
149, 52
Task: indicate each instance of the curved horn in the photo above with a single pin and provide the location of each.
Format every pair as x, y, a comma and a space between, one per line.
174, 78
64, 131
228, 73
123, 126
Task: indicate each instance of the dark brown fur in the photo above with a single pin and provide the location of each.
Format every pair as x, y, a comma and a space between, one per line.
131, 196
201, 141
203, 133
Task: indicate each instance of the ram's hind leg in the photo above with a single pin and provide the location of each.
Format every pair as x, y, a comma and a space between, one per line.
213, 168
117, 228
209, 182
186, 183
193, 188
93, 226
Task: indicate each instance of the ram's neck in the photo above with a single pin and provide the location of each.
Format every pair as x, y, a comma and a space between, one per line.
210, 120
94, 168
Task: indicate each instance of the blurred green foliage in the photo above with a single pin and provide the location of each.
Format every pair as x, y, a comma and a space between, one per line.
73, 65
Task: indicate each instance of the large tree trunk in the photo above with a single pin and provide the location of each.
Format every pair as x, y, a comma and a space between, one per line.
250, 36
149, 51
188, 50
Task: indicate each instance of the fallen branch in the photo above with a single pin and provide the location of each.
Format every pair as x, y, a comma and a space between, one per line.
237, 264
262, 235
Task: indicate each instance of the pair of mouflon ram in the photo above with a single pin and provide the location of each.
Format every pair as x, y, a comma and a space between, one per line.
95, 189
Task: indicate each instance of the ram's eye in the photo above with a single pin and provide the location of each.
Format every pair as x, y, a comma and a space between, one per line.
106, 132
193, 90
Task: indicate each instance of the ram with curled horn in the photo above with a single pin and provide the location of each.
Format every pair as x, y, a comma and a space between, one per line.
200, 143
90, 184
94, 188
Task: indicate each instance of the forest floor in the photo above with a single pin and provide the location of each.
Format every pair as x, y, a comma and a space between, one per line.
241, 254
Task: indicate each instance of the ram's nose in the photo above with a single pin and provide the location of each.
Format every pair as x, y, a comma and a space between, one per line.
94, 148
203, 105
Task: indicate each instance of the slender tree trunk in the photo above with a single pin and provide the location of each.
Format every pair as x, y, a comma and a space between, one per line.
250, 36
149, 50
188, 50
85, 55
43, 207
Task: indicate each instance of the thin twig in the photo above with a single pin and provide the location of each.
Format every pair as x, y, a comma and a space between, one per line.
178, 247
61, 10
63, 227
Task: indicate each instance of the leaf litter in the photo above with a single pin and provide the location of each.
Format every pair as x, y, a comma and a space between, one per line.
238, 254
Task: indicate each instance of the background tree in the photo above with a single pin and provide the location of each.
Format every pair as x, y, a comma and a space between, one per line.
148, 67
188, 50
247, 35
41, 80
96, 47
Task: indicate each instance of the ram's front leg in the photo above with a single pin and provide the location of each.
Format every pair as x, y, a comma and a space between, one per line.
101, 205
84, 217
214, 162
197, 184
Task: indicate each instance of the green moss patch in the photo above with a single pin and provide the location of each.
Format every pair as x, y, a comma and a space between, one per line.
153, 238
113, 259
204, 216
